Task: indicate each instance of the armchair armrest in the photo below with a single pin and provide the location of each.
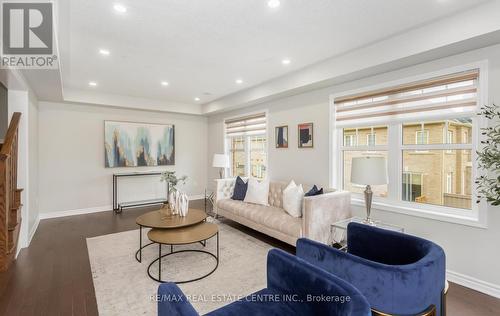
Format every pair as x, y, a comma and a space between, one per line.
172, 302
332, 260
291, 275
320, 211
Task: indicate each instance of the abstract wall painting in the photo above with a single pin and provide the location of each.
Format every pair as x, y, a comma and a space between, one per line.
281, 136
128, 144
305, 135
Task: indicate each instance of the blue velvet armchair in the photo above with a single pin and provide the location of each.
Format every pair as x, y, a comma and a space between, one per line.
399, 274
294, 287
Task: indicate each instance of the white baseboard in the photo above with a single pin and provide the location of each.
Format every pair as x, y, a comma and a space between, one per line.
33, 230
81, 211
473, 283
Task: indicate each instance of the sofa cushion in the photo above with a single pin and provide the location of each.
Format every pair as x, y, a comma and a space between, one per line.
240, 189
272, 217
314, 191
257, 192
292, 199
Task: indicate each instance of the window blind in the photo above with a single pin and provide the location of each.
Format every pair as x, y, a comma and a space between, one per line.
452, 93
247, 125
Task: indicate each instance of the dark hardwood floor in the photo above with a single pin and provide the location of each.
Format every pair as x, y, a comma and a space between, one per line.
52, 276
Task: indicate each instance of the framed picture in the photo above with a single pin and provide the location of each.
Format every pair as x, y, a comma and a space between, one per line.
281, 136
129, 144
305, 136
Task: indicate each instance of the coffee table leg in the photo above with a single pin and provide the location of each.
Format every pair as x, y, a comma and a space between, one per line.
140, 243
159, 262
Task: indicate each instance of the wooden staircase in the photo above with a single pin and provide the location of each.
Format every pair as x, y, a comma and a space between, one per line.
10, 195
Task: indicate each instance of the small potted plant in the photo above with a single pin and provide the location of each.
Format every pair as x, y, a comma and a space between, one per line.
172, 182
488, 157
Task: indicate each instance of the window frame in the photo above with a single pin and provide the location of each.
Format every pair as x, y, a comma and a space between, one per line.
247, 147
476, 217
425, 133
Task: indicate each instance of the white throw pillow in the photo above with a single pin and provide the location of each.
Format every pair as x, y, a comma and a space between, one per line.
257, 192
292, 199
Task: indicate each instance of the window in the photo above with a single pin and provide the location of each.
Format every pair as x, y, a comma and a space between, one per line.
371, 139
350, 140
422, 137
258, 156
353, 149
429, 158
449, 137
246, 143
465, 137
449, 183
238, 156
412, 186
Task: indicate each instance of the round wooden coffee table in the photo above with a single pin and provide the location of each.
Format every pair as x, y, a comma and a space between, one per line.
156, 219
182, 236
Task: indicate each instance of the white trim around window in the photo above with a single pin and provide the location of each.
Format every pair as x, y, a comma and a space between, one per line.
477, 217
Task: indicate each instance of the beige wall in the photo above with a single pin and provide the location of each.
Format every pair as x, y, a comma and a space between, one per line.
71, 156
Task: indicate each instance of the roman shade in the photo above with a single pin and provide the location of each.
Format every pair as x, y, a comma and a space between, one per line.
428, 98
246, 125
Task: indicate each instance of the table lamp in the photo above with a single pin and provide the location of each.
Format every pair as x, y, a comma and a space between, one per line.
220, 161
369, 171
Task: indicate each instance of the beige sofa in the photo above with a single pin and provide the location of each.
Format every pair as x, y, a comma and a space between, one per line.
318, 212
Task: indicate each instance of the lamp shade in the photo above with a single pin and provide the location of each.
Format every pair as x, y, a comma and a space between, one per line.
220, 161
369, 170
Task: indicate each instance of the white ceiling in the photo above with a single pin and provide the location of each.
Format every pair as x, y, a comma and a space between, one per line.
203, 46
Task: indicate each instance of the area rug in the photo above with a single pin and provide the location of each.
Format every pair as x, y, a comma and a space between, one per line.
123, 287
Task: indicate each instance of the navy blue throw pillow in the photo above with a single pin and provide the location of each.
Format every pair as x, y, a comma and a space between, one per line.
314, 191
240, 190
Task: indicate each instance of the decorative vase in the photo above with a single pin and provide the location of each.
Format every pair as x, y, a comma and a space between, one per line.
183, 204
165, 210
172, 201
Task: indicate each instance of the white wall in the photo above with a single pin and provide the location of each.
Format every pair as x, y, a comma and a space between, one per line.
72, 175
305, 164
4, 112
472, 253
33, 168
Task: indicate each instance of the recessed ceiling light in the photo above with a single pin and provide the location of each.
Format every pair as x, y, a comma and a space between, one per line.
273, 4
164, 83
120, 8
239, 81
197, 99
92, 83
286, 61
104, 52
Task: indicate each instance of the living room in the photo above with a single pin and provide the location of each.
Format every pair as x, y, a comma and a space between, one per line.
121, 157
